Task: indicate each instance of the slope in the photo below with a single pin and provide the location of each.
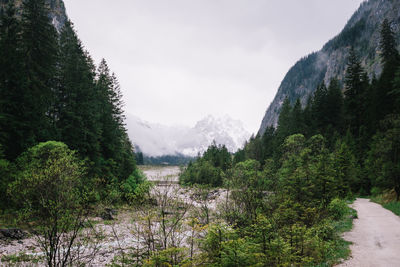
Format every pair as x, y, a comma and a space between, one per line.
361, 32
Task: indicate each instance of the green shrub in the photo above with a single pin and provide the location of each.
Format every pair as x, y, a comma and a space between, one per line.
202, 172
135, 187
49, 191
338, 208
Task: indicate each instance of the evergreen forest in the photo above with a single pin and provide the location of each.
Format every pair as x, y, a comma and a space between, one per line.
289, 186
67, 166
51, 90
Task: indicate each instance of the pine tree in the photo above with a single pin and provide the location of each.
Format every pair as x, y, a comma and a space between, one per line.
12, 117
297, 118
385, 99
39, 46
318, 108
284, 128
309, 123
116, 149
356, 82
334, 105
77, 103
267, 141
390, 55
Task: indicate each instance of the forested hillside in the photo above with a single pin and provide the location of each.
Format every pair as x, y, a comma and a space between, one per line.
361, 32
51, 90
288, 185
72, 195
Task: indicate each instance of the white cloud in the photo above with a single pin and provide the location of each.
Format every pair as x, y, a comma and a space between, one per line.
179, 60
157, 140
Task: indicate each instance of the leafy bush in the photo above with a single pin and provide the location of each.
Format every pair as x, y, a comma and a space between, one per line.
5, 177
49, 191
202, 172
135, 187
338, 208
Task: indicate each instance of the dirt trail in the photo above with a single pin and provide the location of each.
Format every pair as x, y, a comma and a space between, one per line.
375, 237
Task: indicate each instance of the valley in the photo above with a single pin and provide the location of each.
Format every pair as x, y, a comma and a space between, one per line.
86, 182
121, 231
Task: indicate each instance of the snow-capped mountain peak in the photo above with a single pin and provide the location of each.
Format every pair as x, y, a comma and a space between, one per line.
157, 140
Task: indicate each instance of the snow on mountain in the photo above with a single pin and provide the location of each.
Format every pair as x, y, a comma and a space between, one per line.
157, 140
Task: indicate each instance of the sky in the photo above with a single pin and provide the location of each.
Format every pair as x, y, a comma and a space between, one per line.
179, 60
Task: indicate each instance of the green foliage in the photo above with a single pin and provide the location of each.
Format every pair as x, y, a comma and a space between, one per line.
338, 208
383, 162
248, 188
49, 174
16, 259
346, 170
135, 188
78, 117
287, 187
356, 82
49, 90
393, 206
218, 156
172, 160
5, 179
210, 169
39, 48
388, 45
167, 257
49, 189
202, 172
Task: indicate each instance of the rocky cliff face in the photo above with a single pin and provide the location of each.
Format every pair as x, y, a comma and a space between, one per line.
361, 32
57, 11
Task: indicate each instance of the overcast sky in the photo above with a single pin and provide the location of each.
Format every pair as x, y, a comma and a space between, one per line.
179, 60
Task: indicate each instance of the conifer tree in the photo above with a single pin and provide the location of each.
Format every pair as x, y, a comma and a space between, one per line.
77, 103
284, 123
390, 55
356, 83
116, 149
334, 105
319, 107
391, 61
297, 118
12, 117
39, 46
267, 141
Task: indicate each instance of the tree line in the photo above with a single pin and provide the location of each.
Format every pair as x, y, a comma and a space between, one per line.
287, 188
50, 89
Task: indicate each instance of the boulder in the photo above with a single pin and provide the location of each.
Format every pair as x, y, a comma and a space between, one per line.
13, 233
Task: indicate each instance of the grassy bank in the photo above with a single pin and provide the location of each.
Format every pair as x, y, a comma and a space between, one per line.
388, 201
341, 249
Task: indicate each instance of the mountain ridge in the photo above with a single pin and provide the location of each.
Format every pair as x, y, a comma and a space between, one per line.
159, 140
361, 31
58, 13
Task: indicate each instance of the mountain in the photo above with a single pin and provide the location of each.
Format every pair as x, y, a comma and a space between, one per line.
362, 32
57, 11
158, 140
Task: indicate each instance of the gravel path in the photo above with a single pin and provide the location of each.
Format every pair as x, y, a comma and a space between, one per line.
375, 237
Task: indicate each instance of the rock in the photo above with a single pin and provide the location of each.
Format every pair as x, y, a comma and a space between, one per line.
107, 215
14, 233
111, 211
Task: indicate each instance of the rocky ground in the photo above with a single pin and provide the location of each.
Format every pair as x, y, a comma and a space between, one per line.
118, 228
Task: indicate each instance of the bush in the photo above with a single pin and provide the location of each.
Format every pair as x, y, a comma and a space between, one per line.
5, 178
202, 172
338, 208
135, 187
49, 191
